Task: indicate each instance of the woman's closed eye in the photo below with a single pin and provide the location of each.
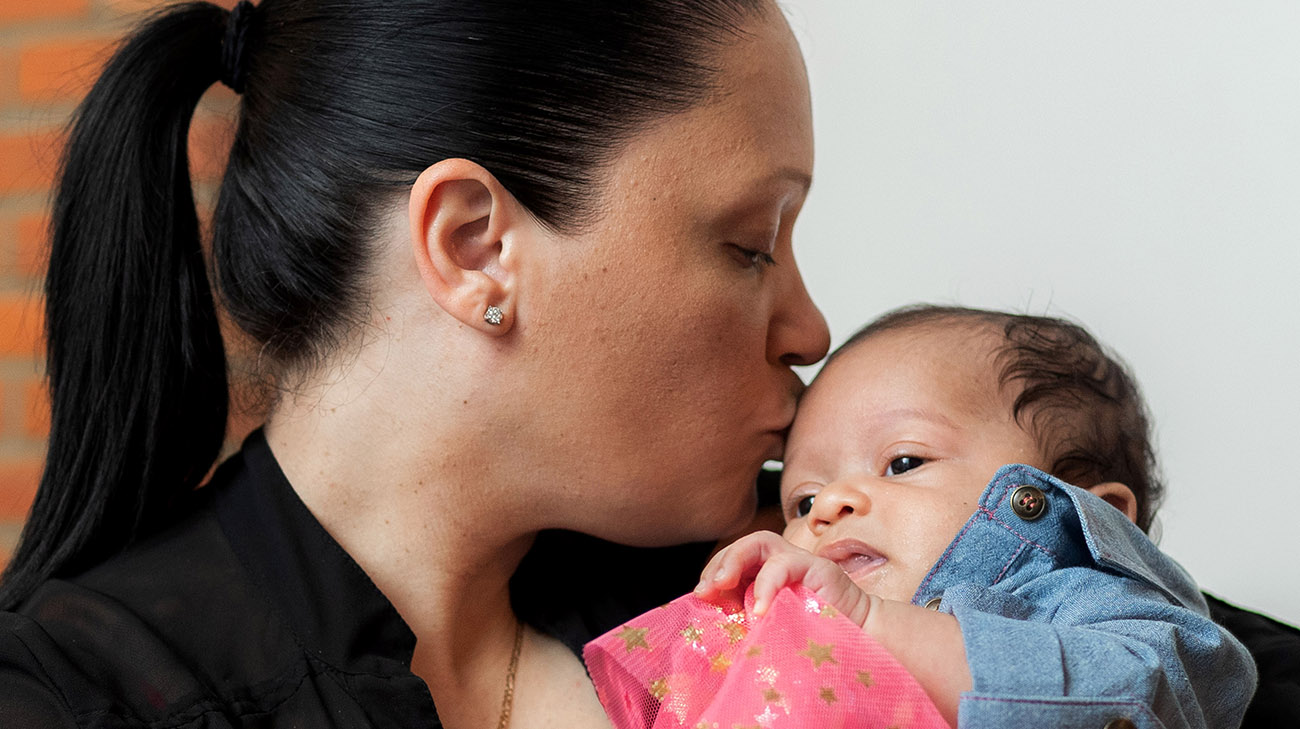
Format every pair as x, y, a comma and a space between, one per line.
903, 464
750, 257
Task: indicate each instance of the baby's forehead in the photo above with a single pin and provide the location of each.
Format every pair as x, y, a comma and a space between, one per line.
962, 352
932, 389
946, 374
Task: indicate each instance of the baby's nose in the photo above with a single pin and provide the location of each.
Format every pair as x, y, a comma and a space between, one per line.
838, 500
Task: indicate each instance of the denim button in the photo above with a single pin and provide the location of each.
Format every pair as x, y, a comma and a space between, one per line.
933, 603
1028, 502
1120, 724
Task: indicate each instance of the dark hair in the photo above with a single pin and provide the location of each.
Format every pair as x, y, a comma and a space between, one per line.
1075, 397
345, 102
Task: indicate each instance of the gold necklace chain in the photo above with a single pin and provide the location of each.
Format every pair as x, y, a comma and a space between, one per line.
508, 701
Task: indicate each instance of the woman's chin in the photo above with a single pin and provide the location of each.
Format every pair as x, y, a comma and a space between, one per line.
659, 529
714, 524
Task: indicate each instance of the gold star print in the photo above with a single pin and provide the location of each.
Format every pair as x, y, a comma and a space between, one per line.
864, 678
754, 651
828, 695
659, 688
693, 634
719, 663
771, 696
818, 653
735, 631
633, 637
828, 612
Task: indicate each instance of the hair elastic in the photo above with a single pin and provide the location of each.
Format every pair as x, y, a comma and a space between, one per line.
233, 73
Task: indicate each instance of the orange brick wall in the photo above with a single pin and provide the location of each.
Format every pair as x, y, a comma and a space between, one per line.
50, 51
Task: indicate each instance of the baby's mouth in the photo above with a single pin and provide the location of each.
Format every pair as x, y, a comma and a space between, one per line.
855, 557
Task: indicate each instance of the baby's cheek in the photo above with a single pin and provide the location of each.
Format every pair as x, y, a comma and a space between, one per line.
796, 532
923, 538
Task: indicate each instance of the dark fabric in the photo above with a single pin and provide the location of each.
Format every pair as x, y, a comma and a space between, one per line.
246, 613
1276, 649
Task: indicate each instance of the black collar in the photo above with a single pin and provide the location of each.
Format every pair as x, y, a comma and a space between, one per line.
337, 614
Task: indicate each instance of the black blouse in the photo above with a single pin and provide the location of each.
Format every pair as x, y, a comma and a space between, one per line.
246, 613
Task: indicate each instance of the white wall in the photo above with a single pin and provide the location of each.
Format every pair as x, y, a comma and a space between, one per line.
1134, 165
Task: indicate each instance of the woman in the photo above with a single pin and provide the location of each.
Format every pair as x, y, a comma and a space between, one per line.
512, 266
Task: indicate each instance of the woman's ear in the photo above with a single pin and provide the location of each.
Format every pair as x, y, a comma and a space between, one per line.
1119, 496
462, 221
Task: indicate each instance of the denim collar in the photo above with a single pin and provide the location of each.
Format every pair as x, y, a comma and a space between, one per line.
997, 548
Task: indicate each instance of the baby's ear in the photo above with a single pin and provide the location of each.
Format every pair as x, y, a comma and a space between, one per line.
1119, 496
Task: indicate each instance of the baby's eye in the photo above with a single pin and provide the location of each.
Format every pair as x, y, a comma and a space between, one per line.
803, 506
903, 464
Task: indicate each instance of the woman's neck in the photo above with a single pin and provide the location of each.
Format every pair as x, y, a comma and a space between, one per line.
422, 508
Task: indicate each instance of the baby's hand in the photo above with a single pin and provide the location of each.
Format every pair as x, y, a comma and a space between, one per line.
777, 563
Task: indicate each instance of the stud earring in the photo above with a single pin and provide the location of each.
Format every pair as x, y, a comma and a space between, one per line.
493, 315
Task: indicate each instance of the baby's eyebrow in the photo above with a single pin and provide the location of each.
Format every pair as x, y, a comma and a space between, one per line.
897, 414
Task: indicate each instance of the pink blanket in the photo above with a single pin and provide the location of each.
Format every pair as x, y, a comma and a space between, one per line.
694, 664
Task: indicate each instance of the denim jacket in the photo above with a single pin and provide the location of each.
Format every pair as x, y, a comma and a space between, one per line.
1074, 618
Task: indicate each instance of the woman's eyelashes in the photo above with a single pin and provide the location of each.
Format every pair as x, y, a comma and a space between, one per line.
750, 257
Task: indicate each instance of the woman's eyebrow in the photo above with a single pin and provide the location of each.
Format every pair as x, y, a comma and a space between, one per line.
796, 175
765, 191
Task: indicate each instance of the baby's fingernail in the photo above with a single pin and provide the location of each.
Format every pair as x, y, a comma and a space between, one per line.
699, 589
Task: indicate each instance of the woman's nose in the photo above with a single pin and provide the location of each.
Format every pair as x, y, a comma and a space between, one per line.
799, 335
837, 500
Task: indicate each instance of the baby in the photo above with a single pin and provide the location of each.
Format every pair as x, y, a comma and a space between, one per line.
1012, 598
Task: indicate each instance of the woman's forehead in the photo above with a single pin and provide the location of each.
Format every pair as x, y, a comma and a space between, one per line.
754, 134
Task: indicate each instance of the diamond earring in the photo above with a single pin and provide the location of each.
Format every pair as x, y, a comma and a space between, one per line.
493, 315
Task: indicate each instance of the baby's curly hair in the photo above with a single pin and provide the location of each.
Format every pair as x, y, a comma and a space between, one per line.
1076, 398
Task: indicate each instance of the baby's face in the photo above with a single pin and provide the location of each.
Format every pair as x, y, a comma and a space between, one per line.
892, 447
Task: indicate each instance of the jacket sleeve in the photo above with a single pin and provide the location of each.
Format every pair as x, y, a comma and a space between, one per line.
1121, 652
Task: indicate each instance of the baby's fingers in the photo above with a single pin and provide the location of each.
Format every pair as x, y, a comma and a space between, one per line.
781, 570
823, 577
744, 557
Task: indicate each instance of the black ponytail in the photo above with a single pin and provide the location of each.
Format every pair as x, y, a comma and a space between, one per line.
134, 353
344, 103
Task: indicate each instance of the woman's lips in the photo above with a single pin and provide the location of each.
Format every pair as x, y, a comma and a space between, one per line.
855, 557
